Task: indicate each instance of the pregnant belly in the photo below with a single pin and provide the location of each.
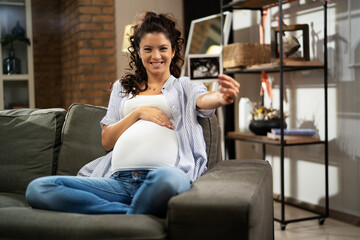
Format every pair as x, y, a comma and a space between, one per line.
145, 145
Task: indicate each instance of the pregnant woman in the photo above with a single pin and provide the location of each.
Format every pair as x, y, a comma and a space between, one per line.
156, 144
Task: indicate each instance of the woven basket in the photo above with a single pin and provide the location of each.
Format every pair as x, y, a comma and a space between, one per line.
245, 54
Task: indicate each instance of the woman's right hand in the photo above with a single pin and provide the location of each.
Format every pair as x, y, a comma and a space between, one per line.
155, 115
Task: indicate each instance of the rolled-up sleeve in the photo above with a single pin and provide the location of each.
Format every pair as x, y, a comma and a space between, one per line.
196, 89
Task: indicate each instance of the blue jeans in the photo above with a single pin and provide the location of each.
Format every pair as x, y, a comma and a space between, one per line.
128, 192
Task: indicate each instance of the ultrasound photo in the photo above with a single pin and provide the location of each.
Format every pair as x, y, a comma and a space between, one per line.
204, 67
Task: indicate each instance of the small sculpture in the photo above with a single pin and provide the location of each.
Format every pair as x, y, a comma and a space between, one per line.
291, 45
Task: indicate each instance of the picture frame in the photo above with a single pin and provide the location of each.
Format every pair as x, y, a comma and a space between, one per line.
204, 34
304, 28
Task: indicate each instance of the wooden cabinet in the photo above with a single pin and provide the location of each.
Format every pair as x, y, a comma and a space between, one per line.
16, 73
280, 67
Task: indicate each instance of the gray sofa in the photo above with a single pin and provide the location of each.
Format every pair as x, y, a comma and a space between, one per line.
232, 200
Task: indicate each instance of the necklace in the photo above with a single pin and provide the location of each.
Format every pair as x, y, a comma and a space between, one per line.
154, 87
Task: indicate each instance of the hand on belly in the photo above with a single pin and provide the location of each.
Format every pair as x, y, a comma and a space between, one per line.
146, 142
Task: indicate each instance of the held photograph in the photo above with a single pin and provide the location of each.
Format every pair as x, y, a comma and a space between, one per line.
204, 67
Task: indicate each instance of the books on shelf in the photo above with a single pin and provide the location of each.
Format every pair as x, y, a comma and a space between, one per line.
294, 135
294, 131
291, 139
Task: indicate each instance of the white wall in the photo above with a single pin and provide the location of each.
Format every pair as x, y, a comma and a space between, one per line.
126, 12
304, 170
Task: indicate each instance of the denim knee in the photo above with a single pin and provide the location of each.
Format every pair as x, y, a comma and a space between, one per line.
35, 192
171, 179
159, 186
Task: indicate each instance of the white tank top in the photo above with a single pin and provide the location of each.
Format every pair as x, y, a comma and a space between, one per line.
145, 144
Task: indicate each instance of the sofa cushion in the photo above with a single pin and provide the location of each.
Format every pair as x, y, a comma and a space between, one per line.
29, 146
81, 138
12, 200
41, 224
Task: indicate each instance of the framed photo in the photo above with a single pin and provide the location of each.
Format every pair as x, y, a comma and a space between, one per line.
205, 36
204, 67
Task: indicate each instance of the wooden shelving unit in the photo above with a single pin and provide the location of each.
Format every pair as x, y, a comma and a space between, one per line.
17, 89
275, 67
250, 137
280, 66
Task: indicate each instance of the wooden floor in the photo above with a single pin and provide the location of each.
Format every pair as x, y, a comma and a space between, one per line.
311, 230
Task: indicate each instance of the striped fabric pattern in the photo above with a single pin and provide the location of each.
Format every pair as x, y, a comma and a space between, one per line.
181, 95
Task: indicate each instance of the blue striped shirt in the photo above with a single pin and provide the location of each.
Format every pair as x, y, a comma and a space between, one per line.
181, 95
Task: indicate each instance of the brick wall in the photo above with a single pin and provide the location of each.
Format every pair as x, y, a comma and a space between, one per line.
87, 52
47, 53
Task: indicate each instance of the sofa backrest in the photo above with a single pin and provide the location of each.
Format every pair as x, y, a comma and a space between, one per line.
212, 136
29, 146
81, 138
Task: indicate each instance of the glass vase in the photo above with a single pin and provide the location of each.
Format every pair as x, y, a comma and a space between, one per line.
11, 64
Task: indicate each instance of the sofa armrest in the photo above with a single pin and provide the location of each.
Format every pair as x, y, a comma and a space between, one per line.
233, 200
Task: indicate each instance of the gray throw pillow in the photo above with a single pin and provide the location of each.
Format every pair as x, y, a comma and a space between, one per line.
29, 145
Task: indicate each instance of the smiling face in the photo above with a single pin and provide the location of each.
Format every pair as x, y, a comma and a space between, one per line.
156, 54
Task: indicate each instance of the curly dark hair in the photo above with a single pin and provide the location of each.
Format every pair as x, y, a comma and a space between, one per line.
135, 81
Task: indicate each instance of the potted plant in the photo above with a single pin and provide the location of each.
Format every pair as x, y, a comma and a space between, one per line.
264, 119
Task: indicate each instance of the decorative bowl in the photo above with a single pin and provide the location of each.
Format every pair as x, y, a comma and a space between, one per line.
262, 127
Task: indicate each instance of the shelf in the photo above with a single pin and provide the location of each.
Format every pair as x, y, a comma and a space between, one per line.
254, 4
15, 77
250, 137
17, 88
12, 3
286, 65
275, 67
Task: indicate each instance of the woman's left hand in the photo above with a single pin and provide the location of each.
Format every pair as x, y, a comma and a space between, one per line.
228, 89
